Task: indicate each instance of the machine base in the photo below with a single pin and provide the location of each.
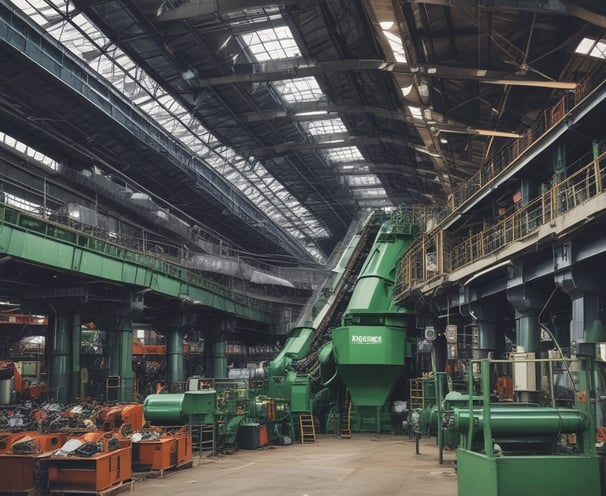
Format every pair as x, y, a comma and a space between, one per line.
555, 475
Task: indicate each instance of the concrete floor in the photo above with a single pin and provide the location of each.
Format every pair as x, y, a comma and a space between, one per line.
366, 464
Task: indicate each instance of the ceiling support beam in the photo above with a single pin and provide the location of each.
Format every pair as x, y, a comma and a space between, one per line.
448, 128
267, 152
297, 68
488, 76
199, 8
561, 7
313, 111
302, 67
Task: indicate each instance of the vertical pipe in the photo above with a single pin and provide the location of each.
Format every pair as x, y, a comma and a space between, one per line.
439, 376
126, 362
76, 337
174, 350
60, 356
485, 371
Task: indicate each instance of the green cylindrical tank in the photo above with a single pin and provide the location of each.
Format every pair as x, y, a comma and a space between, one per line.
525, 420
164, 409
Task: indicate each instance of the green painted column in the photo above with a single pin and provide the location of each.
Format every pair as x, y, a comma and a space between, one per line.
175, 365
120, 360
76, 338
527, 331
60, 356
219, 357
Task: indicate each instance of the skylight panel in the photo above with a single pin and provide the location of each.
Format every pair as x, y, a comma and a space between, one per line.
363, 180
271, 44
329, 126
395, 42
370, 193
345, 154
29, 151
592, 47
304, 89
415, 112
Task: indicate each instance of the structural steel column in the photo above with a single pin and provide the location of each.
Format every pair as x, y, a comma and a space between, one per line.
485, 316
60, 355
120, 360
174, 351
219, 357
76, 344
527, 302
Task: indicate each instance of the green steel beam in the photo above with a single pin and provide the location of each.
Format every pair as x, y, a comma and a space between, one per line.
36, 240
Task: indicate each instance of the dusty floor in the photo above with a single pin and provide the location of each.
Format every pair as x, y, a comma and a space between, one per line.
366, 464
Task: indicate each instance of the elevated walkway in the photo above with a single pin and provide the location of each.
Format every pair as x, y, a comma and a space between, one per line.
37, 241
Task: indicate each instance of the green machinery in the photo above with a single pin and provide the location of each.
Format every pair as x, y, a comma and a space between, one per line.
509, 449
370, 346
218, 411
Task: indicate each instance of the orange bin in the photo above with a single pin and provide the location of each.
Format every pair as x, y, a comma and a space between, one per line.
18, 468
90, 474
169, 451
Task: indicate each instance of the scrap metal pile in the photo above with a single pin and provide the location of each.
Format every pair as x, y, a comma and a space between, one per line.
50, 417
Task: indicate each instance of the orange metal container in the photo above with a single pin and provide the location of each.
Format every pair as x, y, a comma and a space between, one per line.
169, 451
18, 469
89, 474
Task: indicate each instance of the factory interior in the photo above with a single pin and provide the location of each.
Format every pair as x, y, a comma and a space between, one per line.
306, 226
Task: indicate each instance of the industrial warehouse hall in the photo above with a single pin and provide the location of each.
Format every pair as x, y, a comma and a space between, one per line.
303, 247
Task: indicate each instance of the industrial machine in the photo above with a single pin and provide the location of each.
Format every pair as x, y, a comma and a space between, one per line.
509, 449
369, 349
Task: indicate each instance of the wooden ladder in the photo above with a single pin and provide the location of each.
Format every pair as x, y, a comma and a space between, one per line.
308, 429
346, 419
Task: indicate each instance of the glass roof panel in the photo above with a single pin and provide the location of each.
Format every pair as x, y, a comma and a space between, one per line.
370, 193
305, 89
363, 180
344, 154
592, 47
329, 126
271, 44
395, 42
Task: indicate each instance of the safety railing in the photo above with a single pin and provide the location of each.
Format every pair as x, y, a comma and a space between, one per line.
506, 156
436, 254
425, 260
